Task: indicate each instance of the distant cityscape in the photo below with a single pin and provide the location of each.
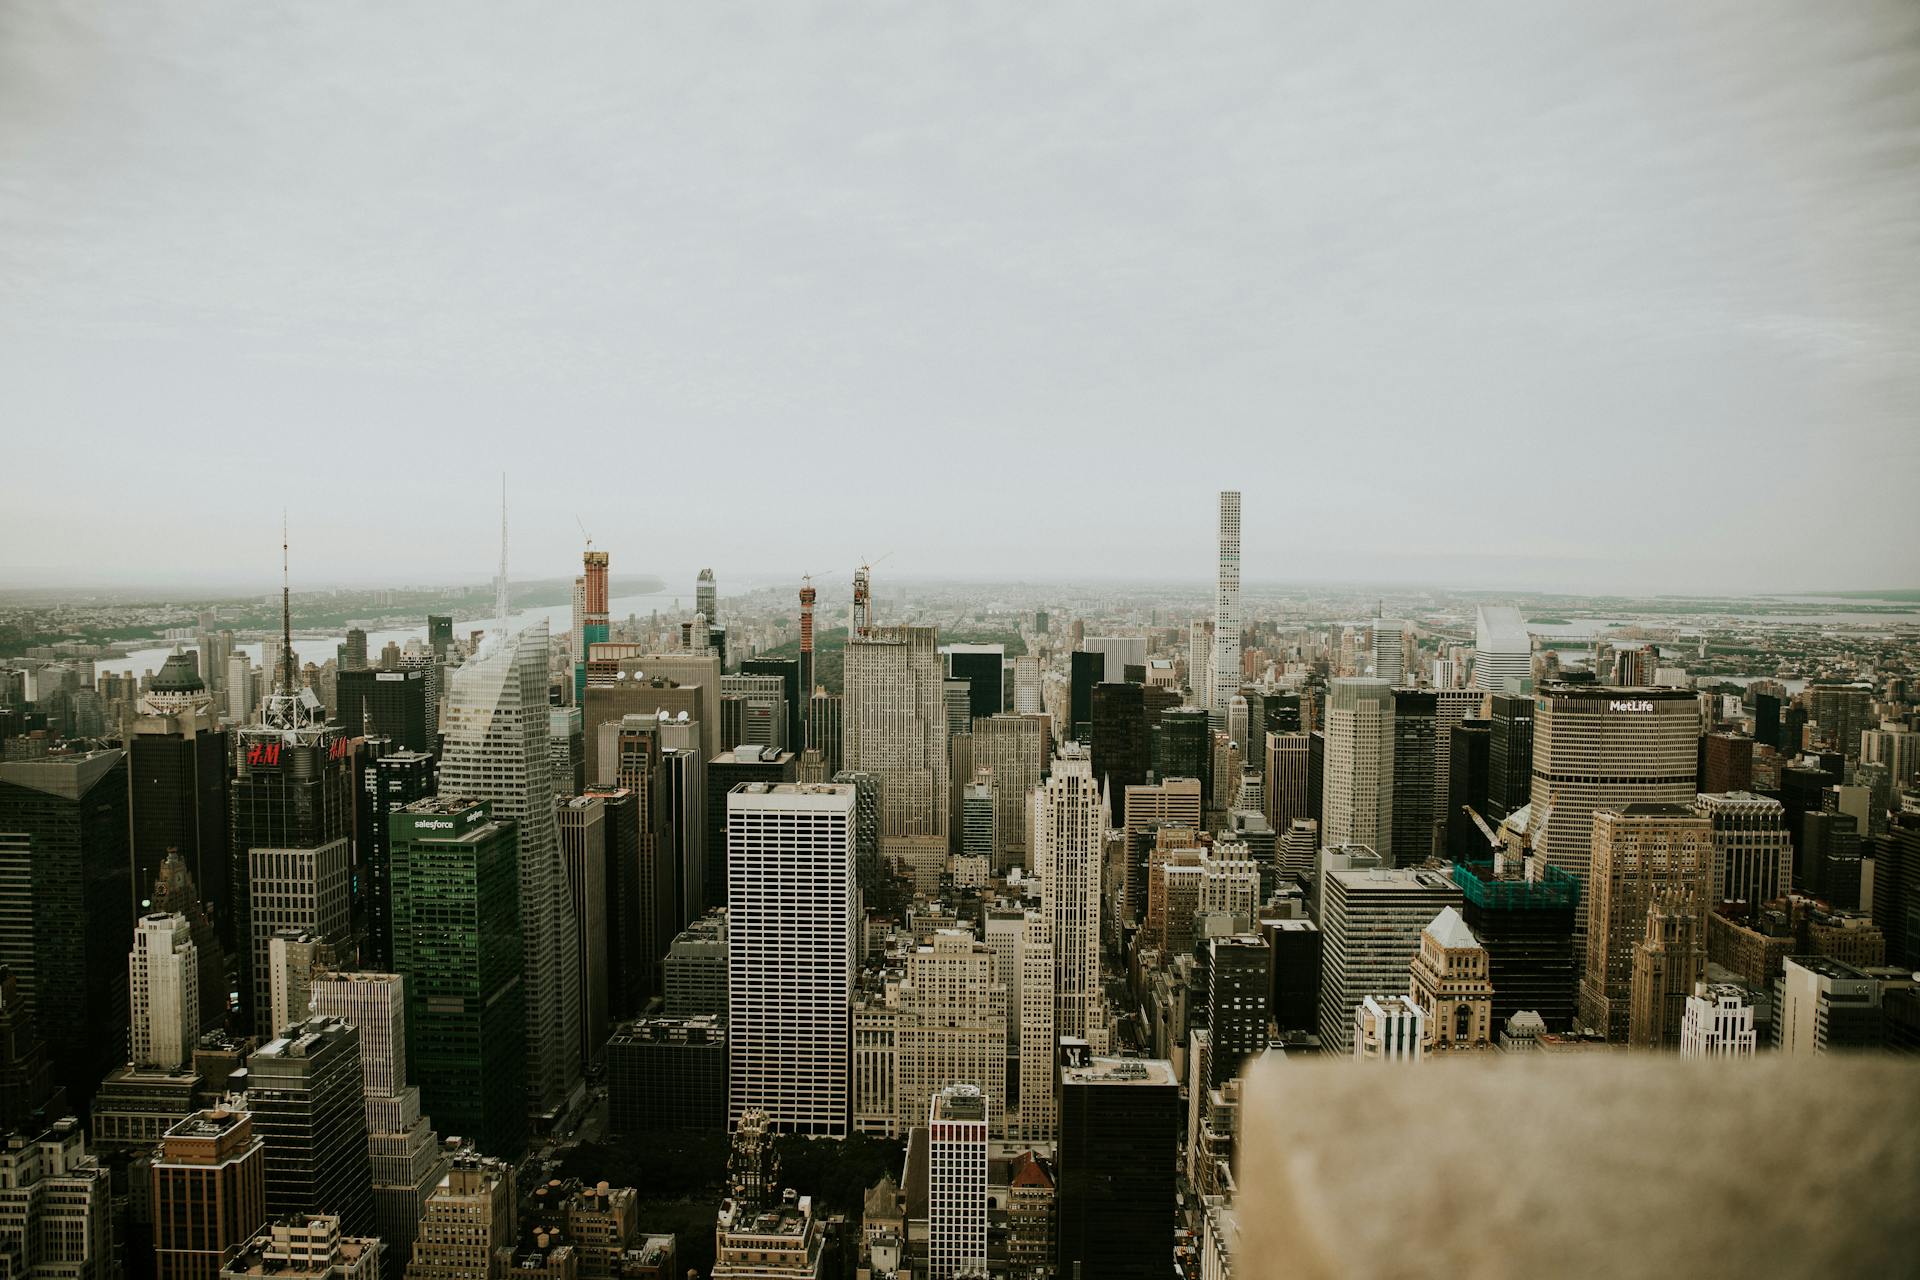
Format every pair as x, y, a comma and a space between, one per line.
599, 928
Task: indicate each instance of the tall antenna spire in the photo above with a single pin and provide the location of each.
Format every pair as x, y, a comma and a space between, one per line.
286, 612
500, 583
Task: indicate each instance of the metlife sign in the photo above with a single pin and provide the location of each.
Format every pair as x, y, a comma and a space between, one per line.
1630, 704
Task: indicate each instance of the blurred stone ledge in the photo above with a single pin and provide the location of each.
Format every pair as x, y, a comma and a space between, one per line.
1616, 1164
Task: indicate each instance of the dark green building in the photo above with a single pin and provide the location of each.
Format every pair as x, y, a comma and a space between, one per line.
456, 937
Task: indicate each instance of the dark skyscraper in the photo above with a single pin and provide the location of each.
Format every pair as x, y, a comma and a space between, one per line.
1239, 988
177, 780
826, 728
456, 937
1766, 719
1414, 726
1526, 926
1122, 742
1083, 673
724, 772
981, 666
1119, 1124
1468, 768
66, 907
439, 634
389, 781
385, 704
293, 788
307, 1098
1509, 755
1726, 763
1183, 748
1295, 999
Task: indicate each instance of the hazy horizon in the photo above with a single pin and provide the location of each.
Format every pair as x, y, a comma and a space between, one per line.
1619, 300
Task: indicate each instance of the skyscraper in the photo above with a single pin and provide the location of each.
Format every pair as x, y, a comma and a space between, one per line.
470, 1217
1752, 854
293, 789
982, 666
951, 1026
1069, 820
896, 726
807, 597
1390, 650
163, 983
1119, 1127
790, 953
304, 1090
1522, 913
209, 1193
1597, 747
66, 904
956, 1119
1370, 927
706, 596
495, 749
1415, 729
390, 704
56, 1211
1356, 804
1182, 747
1640, 852
1226, 610
583, 849
1239, 1001
177, 778
304, 892
591, 627
388, 781
457, 941
406, 1156
1502, 650
1014, 749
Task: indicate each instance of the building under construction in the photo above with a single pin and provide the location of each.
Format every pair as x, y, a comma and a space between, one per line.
1523, 914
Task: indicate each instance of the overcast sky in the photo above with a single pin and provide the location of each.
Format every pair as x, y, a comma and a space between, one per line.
1591, 297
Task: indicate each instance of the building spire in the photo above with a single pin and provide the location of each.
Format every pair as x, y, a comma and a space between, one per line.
500, 583
287, 671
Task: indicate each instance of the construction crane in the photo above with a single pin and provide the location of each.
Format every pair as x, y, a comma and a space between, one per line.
1485, 830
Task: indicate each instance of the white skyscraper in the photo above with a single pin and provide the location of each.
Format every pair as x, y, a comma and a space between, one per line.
1502, 649
1226, 610
896, 726
407, 1158
952, 1025
957, 1183
1390, 650
1718, 1022
163, 981
1039, 1119
1357, 799
1200, 661
1026, 685
791, 940
495, 735
1069, 834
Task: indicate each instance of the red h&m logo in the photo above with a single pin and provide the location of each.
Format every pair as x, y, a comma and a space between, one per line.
264, 753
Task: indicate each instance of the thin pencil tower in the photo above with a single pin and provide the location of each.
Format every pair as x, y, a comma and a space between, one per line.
500, 583
287, 670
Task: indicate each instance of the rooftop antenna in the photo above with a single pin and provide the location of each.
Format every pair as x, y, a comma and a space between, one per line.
500, 583
286, 611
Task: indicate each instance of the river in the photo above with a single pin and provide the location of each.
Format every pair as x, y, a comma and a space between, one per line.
317, 649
